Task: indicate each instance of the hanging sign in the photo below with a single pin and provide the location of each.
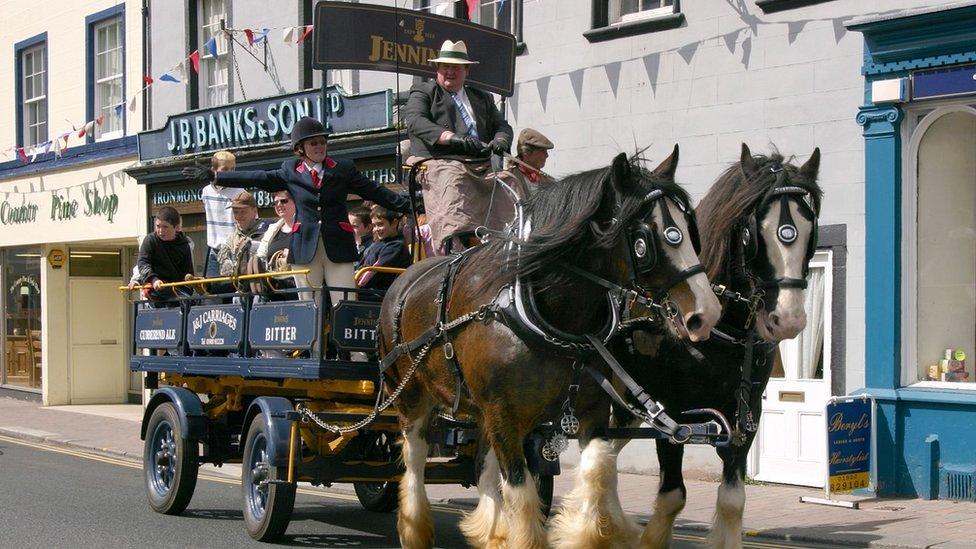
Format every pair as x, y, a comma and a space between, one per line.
944, 82
390, 39
266, 121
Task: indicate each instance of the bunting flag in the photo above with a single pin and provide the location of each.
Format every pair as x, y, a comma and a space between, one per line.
195, 60
262, 36
211, 46
288, 35
148, 80
89, 127
21, 155
83, 131
101, 119
34, 153
47, 146
250, 36
167, 77
472, 8
132, 103
501, 6
65, 136
308, 31
118, 111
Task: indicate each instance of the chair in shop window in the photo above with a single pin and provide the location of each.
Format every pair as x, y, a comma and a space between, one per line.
34, 347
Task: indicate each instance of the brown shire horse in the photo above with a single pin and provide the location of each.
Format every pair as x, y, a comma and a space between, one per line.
512, 383
759, 226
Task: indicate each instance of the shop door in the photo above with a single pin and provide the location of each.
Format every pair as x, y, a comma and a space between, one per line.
790, 445
98, 373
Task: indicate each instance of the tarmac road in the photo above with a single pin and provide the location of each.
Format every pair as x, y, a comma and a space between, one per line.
56, 497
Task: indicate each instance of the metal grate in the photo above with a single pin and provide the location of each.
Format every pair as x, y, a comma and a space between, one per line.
958, 483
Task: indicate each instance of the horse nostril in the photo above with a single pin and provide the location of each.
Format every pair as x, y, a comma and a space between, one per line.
773, 319
694, 322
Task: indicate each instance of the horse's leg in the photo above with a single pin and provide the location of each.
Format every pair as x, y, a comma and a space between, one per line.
591, 514
522, 505
485, 526
726, 530
671, 496
414, 521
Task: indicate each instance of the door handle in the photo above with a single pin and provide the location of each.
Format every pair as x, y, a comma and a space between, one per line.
109, 341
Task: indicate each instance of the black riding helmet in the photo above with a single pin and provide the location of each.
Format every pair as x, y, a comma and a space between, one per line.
307, 128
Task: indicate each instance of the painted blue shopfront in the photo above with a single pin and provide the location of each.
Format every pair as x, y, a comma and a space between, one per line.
924, 434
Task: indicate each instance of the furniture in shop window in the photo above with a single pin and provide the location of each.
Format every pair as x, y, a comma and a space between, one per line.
18, 356
34, 338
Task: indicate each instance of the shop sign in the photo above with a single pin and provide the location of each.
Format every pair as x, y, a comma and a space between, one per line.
944, 82
191, 195
18, 214
266, 121
282, 325
391, 39
23, 285
56, 258
62, 208
215, 326
159, 328
354, 325
849, 444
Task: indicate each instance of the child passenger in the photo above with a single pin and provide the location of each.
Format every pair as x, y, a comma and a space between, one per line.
165, 256
217, 209
387, 250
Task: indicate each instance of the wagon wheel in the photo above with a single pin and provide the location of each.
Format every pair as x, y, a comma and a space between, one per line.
379, 497
169, 462
268, 498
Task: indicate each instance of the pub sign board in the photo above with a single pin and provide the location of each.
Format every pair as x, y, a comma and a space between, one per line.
159, 328
354, 325
849, 434
267, 121
215, 326
390, 39
944, 82
283, 325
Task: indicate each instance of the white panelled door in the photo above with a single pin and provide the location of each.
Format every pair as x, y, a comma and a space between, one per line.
790, 446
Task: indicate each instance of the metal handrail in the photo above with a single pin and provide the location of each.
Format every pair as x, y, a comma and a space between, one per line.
376, 269
236, 278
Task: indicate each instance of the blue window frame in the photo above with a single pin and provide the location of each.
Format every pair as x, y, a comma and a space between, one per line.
30, 96
105, 72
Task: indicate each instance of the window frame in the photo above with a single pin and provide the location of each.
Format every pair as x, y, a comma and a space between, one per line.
37, 42
206, 60
517, 12
92, 23
657, 19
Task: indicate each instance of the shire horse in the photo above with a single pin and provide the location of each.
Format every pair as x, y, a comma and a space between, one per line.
759, 228
507, 381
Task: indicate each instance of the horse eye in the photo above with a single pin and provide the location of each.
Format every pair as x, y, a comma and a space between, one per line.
640, 248
673, 236
746, 236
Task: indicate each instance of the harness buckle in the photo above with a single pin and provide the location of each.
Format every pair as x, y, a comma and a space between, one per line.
449, 350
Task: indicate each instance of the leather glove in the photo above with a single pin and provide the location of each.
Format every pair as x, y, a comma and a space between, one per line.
468, 145
498, 146
198, 173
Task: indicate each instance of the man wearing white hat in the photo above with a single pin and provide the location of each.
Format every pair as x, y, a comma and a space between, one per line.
451, 121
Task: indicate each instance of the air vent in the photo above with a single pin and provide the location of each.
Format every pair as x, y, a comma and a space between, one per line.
958, 483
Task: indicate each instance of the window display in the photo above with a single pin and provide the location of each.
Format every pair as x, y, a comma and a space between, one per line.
22, 350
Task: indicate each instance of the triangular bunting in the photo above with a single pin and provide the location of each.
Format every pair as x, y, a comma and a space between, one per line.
148, 80
118, 111
211, 46
288, 35
21, 155
195, 60
473, 6
250, 36
308, 31
167, 77
132, 103
101, 119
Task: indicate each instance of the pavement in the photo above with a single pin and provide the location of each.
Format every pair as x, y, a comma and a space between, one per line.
772, 512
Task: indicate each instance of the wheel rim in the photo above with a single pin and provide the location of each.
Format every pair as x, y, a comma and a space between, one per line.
256, 476
164, 461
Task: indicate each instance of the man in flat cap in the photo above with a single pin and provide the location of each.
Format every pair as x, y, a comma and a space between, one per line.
533, 150
233, 255
450, 121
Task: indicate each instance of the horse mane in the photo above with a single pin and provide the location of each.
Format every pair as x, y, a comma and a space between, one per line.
570, 219
734, 196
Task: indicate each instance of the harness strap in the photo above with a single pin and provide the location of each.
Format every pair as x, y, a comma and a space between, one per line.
444, 299
409, 347
744, 422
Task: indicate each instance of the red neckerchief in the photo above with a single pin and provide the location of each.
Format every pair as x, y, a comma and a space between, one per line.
533, 175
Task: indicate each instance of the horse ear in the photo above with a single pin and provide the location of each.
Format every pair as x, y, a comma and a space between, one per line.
668, 166
620, 173
812, 166
748, 164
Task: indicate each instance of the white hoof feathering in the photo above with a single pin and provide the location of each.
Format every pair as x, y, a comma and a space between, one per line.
414, 521
591, 516
726, 530
657, 533
485, 526
524, 518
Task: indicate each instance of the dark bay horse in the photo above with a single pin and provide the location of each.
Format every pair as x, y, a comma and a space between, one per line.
589, 221
759, 223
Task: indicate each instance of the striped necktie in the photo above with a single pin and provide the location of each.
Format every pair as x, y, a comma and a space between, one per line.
465, 116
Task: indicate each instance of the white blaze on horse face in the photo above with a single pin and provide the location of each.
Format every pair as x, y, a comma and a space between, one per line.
786, 318
701, 316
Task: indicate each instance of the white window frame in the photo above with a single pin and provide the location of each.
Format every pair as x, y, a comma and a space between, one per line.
40, 101
665, 7
215, 75
100, 107
492, 5
918, 119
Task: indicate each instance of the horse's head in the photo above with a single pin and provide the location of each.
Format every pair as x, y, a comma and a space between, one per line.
658, 245
772, 238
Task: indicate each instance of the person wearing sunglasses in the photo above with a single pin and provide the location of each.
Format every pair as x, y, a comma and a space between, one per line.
274, 247
322, 238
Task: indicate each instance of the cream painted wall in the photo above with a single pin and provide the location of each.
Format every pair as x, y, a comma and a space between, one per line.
64, 23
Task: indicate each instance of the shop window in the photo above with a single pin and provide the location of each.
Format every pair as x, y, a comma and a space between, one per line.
619, 18
106, 86
103, 263
21, 343
945, 250
31, 91
214, 69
